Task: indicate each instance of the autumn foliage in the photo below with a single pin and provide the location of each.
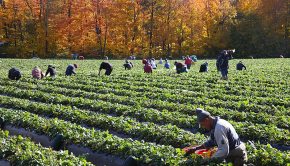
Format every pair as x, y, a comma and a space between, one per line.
159, 28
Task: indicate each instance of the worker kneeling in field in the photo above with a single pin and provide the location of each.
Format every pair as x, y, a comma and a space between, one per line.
203, 67
128, 65
180, 67
107, 66
167, 64
14, 74
70, 70
147, 68
37, 73
241, 66
51, 71
223, 135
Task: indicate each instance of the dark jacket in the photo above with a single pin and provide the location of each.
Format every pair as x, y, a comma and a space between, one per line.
223, 61
203, 67
14, 74
128, 65
70, 70
51, 71
241, 66
107, 66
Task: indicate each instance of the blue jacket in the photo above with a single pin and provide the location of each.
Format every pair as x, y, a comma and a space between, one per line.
167, 65
70, 70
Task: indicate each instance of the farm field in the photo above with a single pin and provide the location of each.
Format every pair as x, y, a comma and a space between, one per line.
148, 116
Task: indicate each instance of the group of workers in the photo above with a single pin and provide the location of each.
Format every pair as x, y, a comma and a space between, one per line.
222, 64
15, 74
222, 133
149, 65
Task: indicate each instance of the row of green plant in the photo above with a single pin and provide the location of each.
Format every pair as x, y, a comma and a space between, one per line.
146, 153
247, 130
98, 141
256, 104
149, 132
23, 152
185, 82
131, 98
281, 121
230, 89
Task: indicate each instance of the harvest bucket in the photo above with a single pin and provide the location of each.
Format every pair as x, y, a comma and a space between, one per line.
205, 153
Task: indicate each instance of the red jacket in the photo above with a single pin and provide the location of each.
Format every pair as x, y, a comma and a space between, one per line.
188, 61
147, 68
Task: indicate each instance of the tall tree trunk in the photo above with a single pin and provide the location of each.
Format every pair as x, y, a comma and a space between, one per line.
105, 39
287, 29
168, 28
69, 15
180, 40
46, 27
97, 14
151, 28
135, 29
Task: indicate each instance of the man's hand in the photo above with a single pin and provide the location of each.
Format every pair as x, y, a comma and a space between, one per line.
189, 150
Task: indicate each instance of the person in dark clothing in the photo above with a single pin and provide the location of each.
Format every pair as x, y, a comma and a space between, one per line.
107, 66
218, 61
51, 71
70, 70
14, 74
128, 65
180, 67
223, 63
204, 67
241, 66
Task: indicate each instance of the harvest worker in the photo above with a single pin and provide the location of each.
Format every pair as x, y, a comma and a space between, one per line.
74, 56
241, 66
128, 65
153, 63
188, 62
161, 61
180, 67
144, 61
203, 67
147, 68
14, 74
51, 71
70, 70
37, 73
167, 65
223, 135
223, 63
107, 66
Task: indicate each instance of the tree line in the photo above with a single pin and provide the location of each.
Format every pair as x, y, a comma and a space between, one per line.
143, 28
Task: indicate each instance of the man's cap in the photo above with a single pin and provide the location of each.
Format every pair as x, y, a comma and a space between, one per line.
201, 114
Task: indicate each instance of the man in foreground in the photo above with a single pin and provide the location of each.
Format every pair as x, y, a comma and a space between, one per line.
224, 136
